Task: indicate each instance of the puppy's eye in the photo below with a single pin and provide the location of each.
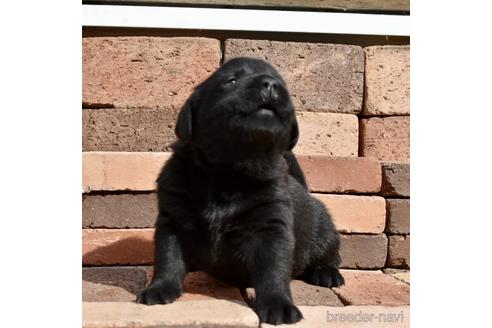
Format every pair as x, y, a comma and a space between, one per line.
231, 81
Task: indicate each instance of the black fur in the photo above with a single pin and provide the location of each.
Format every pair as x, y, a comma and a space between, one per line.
233, 200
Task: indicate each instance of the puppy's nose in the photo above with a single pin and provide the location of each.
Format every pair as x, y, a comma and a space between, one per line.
269, 87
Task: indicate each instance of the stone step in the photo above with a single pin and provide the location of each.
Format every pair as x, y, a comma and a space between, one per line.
223, 313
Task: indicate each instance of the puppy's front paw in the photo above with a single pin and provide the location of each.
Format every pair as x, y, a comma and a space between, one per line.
160, 293
278, 311
337, 278
324, 277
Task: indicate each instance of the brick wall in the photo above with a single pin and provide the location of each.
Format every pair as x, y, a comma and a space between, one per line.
353, 109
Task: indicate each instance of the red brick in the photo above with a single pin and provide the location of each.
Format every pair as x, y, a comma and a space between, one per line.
397, 216
398, 252
119, 211
396, 179
145, 72
121, 170
356, 214
112, 284
387, 81
386, 138
192, 314
138, 171
199, 285
372, 288
117, 246
128, 129
400, 274
307, 294
341, 175
327, 134
363, 251
321, 77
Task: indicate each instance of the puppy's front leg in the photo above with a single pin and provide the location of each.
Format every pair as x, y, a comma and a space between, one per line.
270, 269
169, 268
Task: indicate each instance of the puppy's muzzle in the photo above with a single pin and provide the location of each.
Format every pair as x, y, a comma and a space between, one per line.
269, 89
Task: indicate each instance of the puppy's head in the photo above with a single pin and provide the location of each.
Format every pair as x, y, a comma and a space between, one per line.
240, 111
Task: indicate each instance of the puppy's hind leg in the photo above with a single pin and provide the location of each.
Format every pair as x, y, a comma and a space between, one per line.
323, 271
169, 268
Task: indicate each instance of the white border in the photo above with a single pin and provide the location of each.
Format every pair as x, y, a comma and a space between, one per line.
244, 20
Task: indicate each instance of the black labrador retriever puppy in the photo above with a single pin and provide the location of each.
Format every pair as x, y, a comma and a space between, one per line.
233, 200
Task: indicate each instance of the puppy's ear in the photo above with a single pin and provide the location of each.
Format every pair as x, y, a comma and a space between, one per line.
294, 134
183, 127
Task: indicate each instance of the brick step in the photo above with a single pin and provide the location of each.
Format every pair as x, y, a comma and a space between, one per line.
351, 214
362, 287
122, 283
222, 313
135, 247
137, 171
210, 313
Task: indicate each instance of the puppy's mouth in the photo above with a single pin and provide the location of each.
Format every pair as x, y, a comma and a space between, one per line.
266, 110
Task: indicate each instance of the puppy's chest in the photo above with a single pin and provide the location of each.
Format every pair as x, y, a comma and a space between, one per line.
221, 206
218, 212
217, 206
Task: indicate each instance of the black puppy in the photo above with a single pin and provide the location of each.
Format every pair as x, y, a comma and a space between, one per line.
233, 200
